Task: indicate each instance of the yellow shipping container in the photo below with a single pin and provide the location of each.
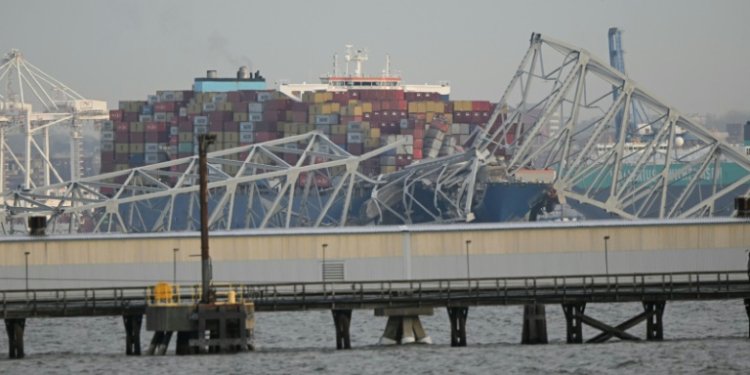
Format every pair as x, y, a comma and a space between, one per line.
135, 148
231, 140
365, 125
375, 133
121, 148
372, 142
387, 168
357, 111
335, 107
412, 107
185, 137
119, 167
367, 107
136, 127
326, 109
429, 116
240, 117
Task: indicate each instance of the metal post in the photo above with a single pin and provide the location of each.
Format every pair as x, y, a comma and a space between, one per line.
323, 272
606, 256
174, 265
468, 268
26, 262
204, 140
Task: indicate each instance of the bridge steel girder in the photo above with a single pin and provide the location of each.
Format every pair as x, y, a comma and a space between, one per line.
561, 108
258, 170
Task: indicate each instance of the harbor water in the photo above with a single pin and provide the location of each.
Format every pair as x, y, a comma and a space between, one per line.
700, 338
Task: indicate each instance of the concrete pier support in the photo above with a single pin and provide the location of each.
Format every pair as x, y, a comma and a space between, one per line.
342, 320
183, 342
534, 325
574, 321
654, 326
404, 326
14, 328
457, 316
133, 325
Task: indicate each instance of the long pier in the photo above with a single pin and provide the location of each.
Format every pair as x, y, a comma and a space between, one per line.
403, 301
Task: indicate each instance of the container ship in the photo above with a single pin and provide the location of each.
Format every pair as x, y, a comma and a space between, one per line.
357, 112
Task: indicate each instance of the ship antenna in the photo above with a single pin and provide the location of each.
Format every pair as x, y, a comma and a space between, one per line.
387, 65
348, 57
335, 64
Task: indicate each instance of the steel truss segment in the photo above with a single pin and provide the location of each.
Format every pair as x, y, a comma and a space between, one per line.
262, 179
665, 165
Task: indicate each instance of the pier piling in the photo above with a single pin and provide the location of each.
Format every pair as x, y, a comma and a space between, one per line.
14, 328
342, 320
573, 322
654, 327
534, 324
457, 316
133, 333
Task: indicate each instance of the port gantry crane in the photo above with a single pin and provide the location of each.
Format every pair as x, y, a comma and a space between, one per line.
31, 104
557, 113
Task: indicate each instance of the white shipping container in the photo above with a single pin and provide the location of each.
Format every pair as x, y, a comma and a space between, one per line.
200, 120
183, 112
219, 97
404, 123
354, 126
108, 125
255, 117
354, 137
247, 137
108, 135
151, 157
325, 149
151, 147
209, 107
160, 116
323, 128
264, 96
145, 118
108, 146
248, 127
173, 130
255, 107
200, 129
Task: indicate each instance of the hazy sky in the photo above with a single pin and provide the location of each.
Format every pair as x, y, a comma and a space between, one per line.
693, 54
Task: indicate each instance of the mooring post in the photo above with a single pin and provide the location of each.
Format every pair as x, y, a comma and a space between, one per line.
14, 328
573, 319
457, 316
534, 324
132, 333
654, 327
342, 320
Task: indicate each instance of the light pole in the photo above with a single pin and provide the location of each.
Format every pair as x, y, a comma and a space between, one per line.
323, 271
26, 263
468, 268
174, 265
606, 256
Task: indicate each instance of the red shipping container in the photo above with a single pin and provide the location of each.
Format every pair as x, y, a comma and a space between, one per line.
137, 137
339, 139
122, 127
419, 132
164, 107
130, 116
355, 148
417, 153
215, 127
264, 136
152, 137
122, 136
248, 96
150, 127
173, 139
115, 115
418, 144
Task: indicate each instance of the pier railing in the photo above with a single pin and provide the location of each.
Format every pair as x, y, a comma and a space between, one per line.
385, 293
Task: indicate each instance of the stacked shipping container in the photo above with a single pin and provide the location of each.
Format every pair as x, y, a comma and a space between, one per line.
165, 126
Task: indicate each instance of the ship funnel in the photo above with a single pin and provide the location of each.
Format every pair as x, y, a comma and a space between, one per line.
243, 72
211, 73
